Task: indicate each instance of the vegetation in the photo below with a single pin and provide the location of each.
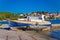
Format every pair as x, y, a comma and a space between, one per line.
21, 16
51, 17
7, 15
0, 24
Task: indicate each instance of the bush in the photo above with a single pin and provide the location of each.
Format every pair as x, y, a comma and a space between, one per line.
0, 24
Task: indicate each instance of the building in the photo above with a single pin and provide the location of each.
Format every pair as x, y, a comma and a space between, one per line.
21, 14
47, 15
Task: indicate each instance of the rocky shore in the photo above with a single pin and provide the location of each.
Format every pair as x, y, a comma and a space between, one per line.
22, 35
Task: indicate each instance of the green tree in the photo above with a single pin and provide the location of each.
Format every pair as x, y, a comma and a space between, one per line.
7, 15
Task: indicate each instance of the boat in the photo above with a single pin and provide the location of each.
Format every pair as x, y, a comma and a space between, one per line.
32, 20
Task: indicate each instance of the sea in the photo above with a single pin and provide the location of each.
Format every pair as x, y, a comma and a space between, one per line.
54, 21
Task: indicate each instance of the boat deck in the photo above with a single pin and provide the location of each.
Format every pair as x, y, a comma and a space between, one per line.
29, 22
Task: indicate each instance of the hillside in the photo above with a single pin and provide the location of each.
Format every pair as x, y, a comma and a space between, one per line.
7, 15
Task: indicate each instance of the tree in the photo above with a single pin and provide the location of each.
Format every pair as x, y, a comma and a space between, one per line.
7, 15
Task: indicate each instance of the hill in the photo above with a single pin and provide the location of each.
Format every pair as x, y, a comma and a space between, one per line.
7, 15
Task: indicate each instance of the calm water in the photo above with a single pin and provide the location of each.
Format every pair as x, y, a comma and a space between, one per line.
55, 34
54, 21
4, 22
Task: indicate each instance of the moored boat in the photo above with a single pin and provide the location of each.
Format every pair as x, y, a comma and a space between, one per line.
31, 20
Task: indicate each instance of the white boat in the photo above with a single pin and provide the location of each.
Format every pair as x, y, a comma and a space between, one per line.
35, 21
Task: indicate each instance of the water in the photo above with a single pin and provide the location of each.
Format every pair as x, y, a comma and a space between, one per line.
4, 22
55, 34
54, 21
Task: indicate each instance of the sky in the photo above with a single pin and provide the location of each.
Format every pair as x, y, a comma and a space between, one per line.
25, 6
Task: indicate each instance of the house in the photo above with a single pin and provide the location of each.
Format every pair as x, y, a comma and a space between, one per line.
21, 15
57, 15
47, 15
